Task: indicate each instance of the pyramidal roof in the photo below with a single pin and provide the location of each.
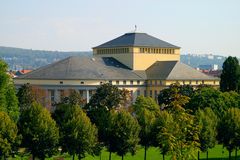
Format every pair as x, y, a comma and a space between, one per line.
175, 70
75, 68
138, 40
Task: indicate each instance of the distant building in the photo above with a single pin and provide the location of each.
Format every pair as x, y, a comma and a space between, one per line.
22, 72
208, 67
138, 62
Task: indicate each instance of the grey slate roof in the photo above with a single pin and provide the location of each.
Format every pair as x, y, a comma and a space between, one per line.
107, 68
174, 70
84, 68
136, 39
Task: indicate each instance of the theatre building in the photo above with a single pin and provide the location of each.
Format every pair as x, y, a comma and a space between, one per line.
138, 62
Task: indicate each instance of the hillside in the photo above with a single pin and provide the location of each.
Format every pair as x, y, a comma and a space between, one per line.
18, 58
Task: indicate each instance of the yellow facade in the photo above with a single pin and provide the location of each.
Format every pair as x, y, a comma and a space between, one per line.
140, 60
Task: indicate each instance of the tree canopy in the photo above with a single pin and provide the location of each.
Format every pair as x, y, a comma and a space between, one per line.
146, 110
78, 134
8, 99
230, 77
39, 131
8, 135
123, 133
229, 129
208, 122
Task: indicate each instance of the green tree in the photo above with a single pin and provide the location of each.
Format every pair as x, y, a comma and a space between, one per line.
8, 135
106, 98
25, 96
229, 130
180, 137
146, 110
230, 77
78, 134
8, 99
122, 134
231, 99
167, 95
74, 98
39, 131
208, 135
207, 97
163, 124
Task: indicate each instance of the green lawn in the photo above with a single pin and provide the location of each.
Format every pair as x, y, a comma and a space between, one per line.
153, 154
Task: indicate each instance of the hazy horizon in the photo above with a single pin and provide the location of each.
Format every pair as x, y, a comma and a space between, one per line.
200, 27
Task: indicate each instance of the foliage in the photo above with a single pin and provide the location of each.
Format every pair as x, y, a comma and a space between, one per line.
178, 134
106, 98
146, 110
39, 131
168, 95
8, 135
207, 97
78, 135
230, 77
229, 129
28, 94
208, 122
8, 99
74, 98
123, 133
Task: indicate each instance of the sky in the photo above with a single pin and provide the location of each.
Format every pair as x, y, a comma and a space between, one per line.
197, 26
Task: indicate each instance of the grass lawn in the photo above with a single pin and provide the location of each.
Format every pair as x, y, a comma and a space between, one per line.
153, 154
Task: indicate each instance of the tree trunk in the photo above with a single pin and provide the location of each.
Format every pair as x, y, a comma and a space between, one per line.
33, 157
207, 155
163, 156
110, 155
198, 155
145, 153
73, 156
229, 156
122, 157
236, 154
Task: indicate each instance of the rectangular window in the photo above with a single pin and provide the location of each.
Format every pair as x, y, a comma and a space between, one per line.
150, 93
138, 82
202, 81
196, 82
138, 92
117, 82
150, 82
52, 95
82, 82
156, 82
131, 82
145, 93
160, 82
110, 82
124, 82
190, 82
155, 94
81, 93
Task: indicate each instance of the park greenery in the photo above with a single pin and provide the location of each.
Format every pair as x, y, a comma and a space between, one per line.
186, 122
